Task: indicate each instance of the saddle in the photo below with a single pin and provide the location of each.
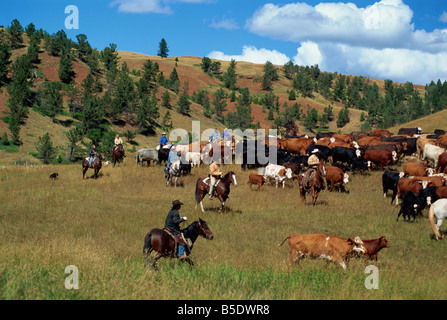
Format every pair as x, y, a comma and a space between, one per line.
207, 181
308, 177
179, 239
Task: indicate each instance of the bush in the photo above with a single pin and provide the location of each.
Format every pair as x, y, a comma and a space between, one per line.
46, 151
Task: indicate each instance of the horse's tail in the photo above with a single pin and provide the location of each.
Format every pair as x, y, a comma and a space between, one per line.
147, 244
287, 238
197, 194
431, 219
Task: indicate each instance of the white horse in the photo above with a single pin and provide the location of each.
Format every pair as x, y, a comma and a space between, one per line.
437, 210
173, 172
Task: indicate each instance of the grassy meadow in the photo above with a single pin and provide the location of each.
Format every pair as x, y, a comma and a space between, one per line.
99, 226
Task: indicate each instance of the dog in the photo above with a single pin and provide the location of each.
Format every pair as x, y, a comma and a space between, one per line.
54, 176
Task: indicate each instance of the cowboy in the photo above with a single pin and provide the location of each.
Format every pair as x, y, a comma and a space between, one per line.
215, 175
92, 154
118, 141
163, 140
173, 155
312, 162
172, 223
214, 136
225, 135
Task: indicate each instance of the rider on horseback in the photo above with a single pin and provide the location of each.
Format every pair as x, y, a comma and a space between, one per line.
313, 162
173, 155
172, 223
215, 175
92, 154
118, 141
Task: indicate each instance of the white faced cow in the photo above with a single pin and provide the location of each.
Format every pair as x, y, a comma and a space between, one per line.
279, 173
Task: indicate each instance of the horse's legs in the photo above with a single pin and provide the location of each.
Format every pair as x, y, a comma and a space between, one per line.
83, 172
154, 265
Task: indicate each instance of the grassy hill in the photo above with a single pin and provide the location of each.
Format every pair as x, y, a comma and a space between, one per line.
249, 76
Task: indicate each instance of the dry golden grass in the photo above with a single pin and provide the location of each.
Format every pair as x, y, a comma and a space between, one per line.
99, 226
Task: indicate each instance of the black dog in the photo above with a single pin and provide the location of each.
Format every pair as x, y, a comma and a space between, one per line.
54, 176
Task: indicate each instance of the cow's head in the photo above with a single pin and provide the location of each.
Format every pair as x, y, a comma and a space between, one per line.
357, 244
345, 178
288, 173
394, 154
430, 171
384, 242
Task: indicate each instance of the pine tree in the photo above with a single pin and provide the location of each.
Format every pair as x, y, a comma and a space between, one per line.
230, 77
219, 103
163, 49
45, 149
51, 100
15, 31
5, 54
66, 71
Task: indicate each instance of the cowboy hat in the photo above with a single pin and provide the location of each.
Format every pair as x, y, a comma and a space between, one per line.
164, 133
176, 203
315, 151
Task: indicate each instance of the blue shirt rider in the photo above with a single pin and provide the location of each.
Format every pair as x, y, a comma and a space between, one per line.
225, 135
163, 140
215, 135
173, 155
92, 154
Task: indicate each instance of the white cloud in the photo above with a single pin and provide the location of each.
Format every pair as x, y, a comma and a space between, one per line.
443, 17
228, 24
254, 55
150, 6
379, 40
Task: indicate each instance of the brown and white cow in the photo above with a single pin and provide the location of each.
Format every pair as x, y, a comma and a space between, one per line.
407, 184
256, 179
381, 157
322, 246
415, 169
336, 177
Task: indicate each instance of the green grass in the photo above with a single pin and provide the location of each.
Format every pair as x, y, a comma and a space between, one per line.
99, 226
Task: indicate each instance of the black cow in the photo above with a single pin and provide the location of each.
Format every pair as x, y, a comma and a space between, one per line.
409, 131
389, 182
345, 155
54, 176
410, 207
302, 160
343, 167
324, 135
185, 168
249, 155
439, 132
359, 164
427, 194
163, 155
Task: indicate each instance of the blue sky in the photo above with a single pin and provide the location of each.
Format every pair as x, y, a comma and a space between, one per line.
401, 40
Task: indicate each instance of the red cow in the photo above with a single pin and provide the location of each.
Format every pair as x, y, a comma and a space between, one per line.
381, 157
415, 169
336, 177
406, 184
256, 179
372, 247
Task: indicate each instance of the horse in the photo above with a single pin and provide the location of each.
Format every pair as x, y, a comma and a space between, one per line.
165, 246
316, 185
173, 172
438, 212
96, 165
117, 154
222, 189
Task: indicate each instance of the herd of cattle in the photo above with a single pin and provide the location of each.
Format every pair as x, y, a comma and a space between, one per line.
421, 183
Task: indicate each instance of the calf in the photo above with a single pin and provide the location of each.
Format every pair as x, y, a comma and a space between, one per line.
333, 248
415, 169
336, 177
410, 207
185, 168
256, 179
409, 131
372, 247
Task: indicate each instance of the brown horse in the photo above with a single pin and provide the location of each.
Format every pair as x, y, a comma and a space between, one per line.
96, 165
165, 246
117, 154
222, 189
316, 185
